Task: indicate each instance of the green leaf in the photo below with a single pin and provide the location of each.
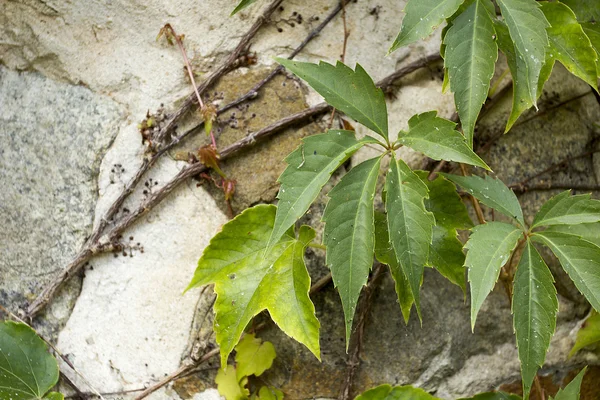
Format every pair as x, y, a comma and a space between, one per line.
241, 5
592, 30
491, 192
522, 100
352, 92
384, 253
253, 356
350, 234
494, 396
571, 391
422, 17
569, 44
270, 393
586, 10
447, 257
470, 57
27, 370
386, 392
579, 258
527, 27
309, 168
249, 280
229, 386
534, 307
566, 209
54, 396
588, 335
409, 223
490, 246
589, 232
446, 254
445, 203
436, 138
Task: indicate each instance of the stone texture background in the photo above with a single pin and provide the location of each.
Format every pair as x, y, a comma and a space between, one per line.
75, 80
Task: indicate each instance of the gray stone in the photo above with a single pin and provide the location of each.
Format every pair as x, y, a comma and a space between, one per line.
53, 138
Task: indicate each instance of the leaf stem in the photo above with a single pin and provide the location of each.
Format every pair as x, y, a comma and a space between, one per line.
317, 246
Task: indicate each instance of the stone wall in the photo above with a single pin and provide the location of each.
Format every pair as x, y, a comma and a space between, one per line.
76, 79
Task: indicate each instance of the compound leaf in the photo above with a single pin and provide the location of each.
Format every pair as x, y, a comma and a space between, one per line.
241, 5
489, 248
470, 56
527, 27
589, 334
27, 370
569, 44
492, 192
350, 233
352, 92
384, 253
387, 392
566, 209
436, 138
253, 356
249, 279
309, 168
571, 391
410, 225
534, 307
579, 258
422, 17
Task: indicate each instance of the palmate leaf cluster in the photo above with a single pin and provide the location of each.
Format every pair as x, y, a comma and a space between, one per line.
256, 261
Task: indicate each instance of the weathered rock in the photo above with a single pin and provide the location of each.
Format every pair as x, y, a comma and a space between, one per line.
53, 138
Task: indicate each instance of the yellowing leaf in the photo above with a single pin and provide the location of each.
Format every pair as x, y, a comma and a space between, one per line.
248, 279
253, 356
229, 386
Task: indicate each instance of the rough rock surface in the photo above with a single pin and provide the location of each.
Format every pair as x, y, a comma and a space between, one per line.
130, 325
53, 138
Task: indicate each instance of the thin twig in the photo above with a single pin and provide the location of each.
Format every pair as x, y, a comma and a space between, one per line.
356, 338
99, 239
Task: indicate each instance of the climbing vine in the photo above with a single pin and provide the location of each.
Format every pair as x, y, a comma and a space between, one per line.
256, 262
